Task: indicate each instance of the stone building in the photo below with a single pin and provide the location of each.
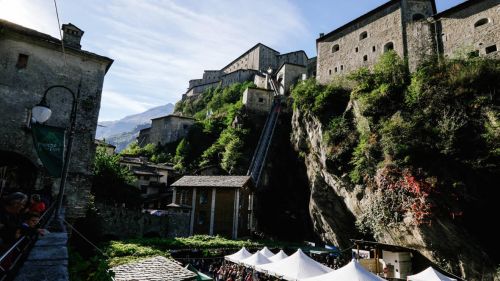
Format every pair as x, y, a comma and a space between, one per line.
472, 27
412, 29
30, 63
219, 204
108, 148
168, 129
152, 180
253, 62
258, 100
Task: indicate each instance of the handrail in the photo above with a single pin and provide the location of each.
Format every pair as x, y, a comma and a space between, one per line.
18, 250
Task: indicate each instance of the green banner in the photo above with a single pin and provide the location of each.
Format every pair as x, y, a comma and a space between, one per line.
49, 144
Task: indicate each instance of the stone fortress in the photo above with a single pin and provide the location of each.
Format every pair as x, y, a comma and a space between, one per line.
411, 28
256, 61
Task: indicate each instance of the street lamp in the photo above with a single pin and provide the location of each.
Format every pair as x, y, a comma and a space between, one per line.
41, 113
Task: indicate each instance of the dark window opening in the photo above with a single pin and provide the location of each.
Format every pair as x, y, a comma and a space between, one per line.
374, 49
185, 126
146, 178
481, 22
22, 61
335, 48
330, 71
203, 197
336, 69
342, 67
491, 49
389, 46
357, 49
363, 35
417, 17
365, 57
261, 99
202, 217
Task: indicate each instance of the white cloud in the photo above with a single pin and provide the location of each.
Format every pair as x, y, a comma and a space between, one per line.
159, 45
36, 14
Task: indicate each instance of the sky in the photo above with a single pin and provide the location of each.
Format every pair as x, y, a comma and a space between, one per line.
159, 45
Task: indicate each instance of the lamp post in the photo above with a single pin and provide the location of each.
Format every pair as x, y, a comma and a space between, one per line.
41, 113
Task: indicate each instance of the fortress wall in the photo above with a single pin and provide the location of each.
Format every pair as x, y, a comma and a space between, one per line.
458, 34
382, 27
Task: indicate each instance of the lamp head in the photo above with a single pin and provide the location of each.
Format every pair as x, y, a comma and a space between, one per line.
41, 112
269, 71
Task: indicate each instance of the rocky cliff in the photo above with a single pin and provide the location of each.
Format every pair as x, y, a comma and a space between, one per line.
336, 204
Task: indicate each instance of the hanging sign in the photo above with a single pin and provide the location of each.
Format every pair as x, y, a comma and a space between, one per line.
49, 144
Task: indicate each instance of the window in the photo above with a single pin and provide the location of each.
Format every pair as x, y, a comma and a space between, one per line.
417, 17
491, 49
336, 69
146, 178
363, 35
389, 46
356, 50
330, 71
202, 217
22, 61
374, 49
365, 58
203, 197
342, 67
261, 99
335, 48
481, 22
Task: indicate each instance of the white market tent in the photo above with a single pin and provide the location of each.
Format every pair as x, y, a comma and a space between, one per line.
238, 256
430, 274
353, 271
266, 252
279, 256
294, 267
255, 259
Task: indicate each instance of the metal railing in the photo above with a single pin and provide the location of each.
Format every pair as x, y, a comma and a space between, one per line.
10, 260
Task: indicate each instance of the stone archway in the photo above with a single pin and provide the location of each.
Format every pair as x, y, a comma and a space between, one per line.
17, 173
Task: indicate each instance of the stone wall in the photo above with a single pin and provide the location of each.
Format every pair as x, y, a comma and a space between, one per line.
298, 57
249, 60
289, 74
211, 75
199, 89
458, 32
124, 223
238, 76
258, 100
169, 129
347, 49
21, 88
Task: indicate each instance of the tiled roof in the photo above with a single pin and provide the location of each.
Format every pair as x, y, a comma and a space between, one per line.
212, 181
157, 268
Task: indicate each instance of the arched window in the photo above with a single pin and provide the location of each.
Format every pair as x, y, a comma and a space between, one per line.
335, 48
481, 22
417, 17
389, 46
363, 35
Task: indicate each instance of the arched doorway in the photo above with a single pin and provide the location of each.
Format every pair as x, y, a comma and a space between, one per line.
17, 173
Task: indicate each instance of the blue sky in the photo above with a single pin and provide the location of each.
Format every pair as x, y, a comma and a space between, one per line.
158, 45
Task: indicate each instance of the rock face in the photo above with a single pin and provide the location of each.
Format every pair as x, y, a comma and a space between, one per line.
335, 204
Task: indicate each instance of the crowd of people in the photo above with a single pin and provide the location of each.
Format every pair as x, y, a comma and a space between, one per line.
19, 217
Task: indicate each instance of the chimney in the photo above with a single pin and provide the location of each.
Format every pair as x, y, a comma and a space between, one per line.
72, 36
321, 35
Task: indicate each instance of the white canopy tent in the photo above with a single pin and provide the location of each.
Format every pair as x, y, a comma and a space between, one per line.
255, 259
266, 252
353, 271
238, 256
430, 274
279, 256
294, 267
